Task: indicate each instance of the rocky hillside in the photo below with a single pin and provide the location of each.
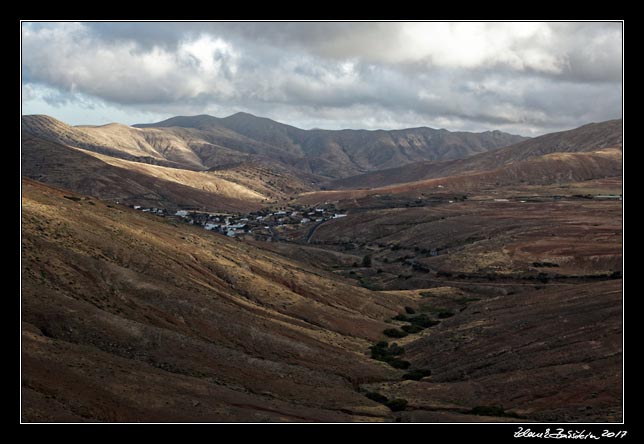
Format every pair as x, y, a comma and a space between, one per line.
204, 142
588, 138
128, 318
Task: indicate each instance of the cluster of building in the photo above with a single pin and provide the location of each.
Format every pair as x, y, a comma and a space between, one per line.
263, 224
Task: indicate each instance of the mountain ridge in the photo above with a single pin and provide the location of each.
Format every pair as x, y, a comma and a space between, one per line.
202, 142
586, 138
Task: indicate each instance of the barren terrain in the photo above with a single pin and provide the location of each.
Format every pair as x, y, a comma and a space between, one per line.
481, 289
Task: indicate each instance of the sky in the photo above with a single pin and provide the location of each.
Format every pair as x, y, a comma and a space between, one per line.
526, 78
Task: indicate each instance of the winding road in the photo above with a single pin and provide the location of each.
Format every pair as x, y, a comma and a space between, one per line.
314, 229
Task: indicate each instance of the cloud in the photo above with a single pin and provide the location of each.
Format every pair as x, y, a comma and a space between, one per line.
525, 77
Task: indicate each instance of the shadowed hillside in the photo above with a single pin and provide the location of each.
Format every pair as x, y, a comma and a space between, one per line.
127, 318
588, 138
203, 142
555, 168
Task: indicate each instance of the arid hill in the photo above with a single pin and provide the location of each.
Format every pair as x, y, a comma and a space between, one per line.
343, 153
132, 182
129, 318
204, 142
554, 168
480, 289
588, 138
552, 355
241, 157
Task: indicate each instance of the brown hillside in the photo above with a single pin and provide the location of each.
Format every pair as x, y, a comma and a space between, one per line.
588, 138
128, 318
547, 169
130, 182
547, 356
203, 142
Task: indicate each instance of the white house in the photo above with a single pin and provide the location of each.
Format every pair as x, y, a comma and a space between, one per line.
237, 226
182, 213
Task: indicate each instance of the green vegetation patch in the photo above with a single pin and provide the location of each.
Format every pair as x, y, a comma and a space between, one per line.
445, 314
395, 333
397, 404
422, 320
385, 353
411, 329
418, 374
399, 364
375, 396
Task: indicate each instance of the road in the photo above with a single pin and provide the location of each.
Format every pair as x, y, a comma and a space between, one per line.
314, 229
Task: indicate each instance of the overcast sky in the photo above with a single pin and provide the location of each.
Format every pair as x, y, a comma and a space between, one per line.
524, 78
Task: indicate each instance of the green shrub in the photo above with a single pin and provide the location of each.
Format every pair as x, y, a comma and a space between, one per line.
375, 396
410, 310
366, 283
417, 375
366, 261
394, 333
483, 410
397, 404
379, 353
399, 364
411, 329
422, 321
382, 352
445, 314
401, 317
396, 350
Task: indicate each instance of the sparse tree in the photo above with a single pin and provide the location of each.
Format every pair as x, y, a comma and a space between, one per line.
366, 261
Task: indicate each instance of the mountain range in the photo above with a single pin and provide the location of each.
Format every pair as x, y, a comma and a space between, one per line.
204, 142
590, 152
242, 161
590, 138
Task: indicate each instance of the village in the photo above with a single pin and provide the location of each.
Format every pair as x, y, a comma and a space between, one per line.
284, 223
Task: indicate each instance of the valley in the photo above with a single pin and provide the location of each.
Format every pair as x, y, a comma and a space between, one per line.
242, 270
